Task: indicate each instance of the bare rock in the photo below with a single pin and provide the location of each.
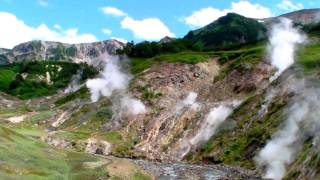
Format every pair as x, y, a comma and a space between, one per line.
95, 146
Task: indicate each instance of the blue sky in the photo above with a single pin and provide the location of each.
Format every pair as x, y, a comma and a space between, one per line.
77, 21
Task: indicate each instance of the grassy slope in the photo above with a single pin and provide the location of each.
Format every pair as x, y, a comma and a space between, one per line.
7, 74
228, 31
23, 157
309, 57
140, 64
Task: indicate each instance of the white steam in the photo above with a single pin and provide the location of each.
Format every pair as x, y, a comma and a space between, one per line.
114, 79
75, 83
301, 118
189, 101
303, 111
132, 106
283, 41
212, 122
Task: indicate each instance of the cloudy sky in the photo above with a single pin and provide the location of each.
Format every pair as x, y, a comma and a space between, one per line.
76, 21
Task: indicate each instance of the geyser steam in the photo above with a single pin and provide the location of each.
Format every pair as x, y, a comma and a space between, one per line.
281, 149
114, 79
212, 122
283, 41
189, 101
301, 122
75, 83
132, 106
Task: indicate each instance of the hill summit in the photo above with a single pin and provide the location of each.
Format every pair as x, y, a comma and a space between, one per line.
227, 31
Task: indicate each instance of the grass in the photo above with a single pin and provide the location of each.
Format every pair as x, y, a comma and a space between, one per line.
237, 146
138, 65
81, 93
183, 57
148, 94
7, 75
121, 144
241, 60
309, 57
22, 157
73, 135
40, 117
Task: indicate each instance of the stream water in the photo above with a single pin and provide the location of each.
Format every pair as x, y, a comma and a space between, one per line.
177, 171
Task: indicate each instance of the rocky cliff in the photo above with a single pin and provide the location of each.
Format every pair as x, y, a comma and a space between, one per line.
90, 53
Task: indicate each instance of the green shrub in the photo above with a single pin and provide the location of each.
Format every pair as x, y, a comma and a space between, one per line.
30, 79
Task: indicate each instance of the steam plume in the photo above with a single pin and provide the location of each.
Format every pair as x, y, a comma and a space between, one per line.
114, 79
132, 106
212, 122
283, 41
280, 151
302, 119
189, 101
75, 82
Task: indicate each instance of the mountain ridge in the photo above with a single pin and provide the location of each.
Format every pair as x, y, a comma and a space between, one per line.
90, 53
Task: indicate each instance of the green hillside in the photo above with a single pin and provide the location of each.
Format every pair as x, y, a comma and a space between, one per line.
228, 31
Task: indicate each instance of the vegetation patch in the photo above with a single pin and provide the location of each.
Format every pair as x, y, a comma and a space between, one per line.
25, 158
81, 93
309, 57
41, 116
239, 145
40, 78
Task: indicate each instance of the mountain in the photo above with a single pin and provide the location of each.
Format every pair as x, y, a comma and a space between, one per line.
46, 50
166, 39
227, 31
2, 50
303, 17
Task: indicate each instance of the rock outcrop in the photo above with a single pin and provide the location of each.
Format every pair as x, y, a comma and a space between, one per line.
95, 146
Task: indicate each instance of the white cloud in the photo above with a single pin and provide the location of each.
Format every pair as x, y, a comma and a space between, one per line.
119, 39
106, 31
43, 3
57, 26
113, 11
14, 31
288, 5
204, 16
207, 15
247, 9
148, 29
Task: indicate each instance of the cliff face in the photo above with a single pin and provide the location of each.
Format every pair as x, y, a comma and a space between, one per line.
43, 50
